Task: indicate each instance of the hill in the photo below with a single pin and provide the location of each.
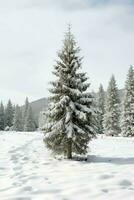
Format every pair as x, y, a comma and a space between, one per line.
38, 106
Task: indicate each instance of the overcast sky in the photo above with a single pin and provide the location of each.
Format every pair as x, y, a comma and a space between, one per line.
31, 33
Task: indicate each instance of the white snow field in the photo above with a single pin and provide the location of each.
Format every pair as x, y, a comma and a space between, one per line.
29, 172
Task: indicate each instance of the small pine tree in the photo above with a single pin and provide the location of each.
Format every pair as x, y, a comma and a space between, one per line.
112, 114
17, 121
70, 116
127, 125
101, 109
9, 114
25, 110
29, 125
95, 111
2, 117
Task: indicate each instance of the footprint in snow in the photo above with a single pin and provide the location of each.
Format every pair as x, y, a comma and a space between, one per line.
2, 168
125, 183
45, 163
34, 162
20, 182
14, 157
25, 158
105, 190
105, 176
17, 184
11, 151
27, 189
17, 168
17, 174
21, 198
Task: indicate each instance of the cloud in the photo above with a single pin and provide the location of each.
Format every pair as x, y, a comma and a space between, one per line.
31, 33
60, 4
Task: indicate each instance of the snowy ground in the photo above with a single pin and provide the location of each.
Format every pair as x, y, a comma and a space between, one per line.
29, 172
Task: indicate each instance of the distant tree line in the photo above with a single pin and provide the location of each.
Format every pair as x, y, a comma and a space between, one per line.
116, 116
16, 118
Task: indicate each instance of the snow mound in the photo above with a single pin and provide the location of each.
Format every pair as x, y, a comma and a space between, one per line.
29, 172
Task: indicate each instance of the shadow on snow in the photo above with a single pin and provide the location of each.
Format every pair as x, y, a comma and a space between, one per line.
112, 160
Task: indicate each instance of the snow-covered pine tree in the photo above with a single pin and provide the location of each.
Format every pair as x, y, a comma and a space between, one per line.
9, 114
25, 110
2, 117
17, 121
127, 125
95, 111
101, 109
112, 113
30, 124
70, 117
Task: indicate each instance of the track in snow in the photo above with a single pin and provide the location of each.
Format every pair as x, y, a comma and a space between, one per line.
29, 172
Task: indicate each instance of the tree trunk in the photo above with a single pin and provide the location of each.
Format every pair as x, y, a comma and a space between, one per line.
69, 150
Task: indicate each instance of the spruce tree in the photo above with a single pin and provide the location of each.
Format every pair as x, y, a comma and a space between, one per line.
95, 111
17, 121
2, 117
25, 110
9, 114
101, 109
30, 124
112, 113
70, 117
127, 125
